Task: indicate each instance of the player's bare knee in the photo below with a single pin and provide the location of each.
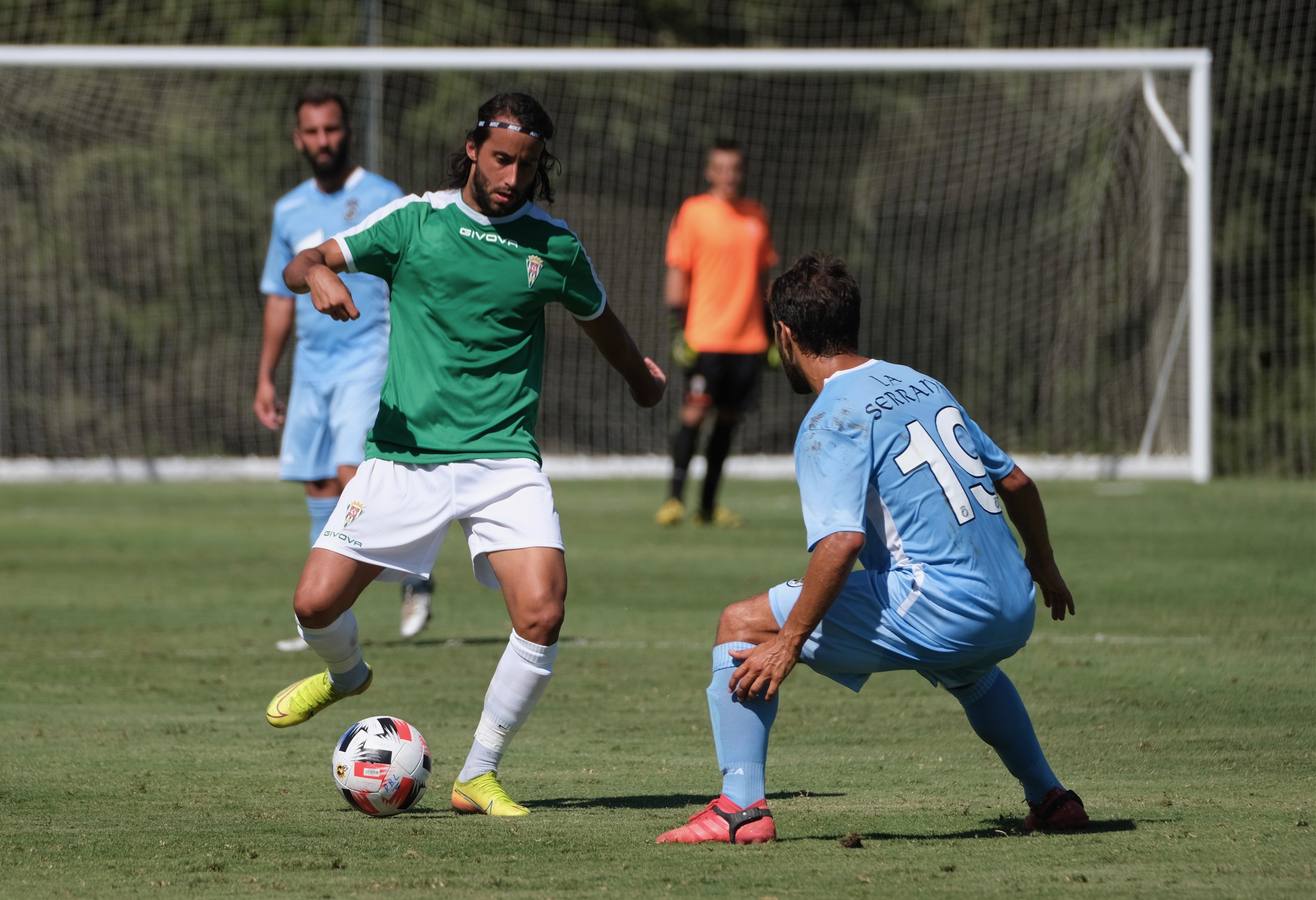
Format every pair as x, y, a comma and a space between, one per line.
732, 625
692, 414
323, 488
540, 625
316, 601
538, 615
748, 621
313, 606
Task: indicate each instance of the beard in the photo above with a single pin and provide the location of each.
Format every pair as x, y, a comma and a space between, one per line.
799, 384
329, 165
485, 201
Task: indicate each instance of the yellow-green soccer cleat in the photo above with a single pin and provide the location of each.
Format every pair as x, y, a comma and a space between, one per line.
302, 699
720, 518
484, 795
670, 513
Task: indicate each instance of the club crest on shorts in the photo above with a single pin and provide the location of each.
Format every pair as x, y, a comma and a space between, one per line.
532, 266
354, 509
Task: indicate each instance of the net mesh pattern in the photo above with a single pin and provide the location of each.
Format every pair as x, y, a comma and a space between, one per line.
1022, 237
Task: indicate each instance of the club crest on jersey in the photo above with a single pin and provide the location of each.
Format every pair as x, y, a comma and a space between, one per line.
532, 266
354, 509
350, 213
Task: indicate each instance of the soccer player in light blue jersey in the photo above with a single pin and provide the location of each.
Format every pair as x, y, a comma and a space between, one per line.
894, 474
337, 369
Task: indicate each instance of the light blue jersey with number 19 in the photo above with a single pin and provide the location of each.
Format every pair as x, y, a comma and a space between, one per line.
887, 451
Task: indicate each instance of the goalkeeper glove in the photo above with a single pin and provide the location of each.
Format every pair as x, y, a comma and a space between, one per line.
682, 353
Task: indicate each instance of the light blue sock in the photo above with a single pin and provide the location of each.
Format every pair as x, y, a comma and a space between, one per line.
997, 714
319, 509
740, 730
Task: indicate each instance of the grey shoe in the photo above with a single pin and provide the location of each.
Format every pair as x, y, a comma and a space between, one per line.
416, 598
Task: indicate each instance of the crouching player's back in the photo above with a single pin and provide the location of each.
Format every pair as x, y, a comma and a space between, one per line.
887, 451
893, 474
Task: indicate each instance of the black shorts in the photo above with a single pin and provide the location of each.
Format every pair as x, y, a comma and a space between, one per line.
724, 380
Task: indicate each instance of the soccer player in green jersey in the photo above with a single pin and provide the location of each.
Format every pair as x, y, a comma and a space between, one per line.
471, 270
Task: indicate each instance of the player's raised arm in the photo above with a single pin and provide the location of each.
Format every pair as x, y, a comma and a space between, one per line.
646, 379
316, 270
1024, 504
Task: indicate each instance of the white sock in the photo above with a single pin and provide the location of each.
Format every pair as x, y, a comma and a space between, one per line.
517, 684
337, 645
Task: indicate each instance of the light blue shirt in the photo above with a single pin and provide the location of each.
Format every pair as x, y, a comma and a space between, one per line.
888, 452
307, 217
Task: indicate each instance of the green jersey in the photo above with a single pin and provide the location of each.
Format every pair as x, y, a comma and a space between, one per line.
466, 347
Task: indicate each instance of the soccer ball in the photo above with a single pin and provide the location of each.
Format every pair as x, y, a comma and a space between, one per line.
381, 765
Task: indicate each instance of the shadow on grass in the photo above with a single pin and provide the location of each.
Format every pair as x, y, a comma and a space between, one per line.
430, 812
422, 812
1003, 827
647, 801
637, 801
436, 642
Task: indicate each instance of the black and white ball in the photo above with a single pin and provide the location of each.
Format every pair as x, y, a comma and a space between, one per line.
381, 765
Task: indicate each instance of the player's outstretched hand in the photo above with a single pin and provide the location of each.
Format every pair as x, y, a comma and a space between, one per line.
649, 394
330, 296
1055, 593
763, 668
267, 406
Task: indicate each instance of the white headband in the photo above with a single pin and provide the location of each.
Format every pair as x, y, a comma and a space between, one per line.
510, 126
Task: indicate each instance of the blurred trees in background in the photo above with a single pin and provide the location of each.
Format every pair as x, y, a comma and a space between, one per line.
1264, 185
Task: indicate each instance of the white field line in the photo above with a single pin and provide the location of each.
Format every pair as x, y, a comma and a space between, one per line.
34, 470
257, 648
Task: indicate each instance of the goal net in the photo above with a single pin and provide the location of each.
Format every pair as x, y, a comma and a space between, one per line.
1023, 233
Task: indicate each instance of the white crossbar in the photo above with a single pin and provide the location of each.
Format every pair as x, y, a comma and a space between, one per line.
583, 59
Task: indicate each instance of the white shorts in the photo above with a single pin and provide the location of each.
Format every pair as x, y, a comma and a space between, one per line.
396, 515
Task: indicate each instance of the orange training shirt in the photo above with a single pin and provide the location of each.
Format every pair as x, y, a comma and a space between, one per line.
724, 246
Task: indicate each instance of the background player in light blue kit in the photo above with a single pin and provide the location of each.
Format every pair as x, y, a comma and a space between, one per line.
338, 367
895, 475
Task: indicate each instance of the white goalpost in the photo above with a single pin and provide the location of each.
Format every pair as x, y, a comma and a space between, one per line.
1032, 226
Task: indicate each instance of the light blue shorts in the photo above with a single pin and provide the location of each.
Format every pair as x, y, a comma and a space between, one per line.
326, 427
862, 634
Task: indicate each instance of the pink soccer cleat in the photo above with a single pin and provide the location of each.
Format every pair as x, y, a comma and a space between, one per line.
1060, 810
723, 822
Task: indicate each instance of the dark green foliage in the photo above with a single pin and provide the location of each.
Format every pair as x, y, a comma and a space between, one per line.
180, 383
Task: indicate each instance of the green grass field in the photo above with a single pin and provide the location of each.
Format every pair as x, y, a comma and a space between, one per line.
136, 646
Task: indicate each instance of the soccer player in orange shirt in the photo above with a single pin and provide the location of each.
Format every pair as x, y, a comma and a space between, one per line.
718, 250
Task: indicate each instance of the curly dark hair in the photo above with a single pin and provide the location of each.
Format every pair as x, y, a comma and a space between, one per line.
526, 112
818, 300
